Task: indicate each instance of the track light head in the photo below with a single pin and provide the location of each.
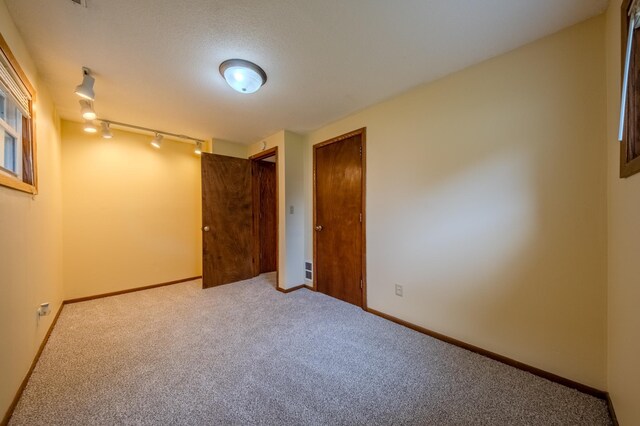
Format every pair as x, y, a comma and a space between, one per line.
198, 149
86, 109
106, 130
89, 127
157, 141
85, 89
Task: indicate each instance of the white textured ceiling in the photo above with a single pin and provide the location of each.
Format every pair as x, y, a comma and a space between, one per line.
156, 61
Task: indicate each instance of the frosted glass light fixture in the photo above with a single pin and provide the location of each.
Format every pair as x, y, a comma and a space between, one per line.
85, 89
157, 141
243, 76
89, 127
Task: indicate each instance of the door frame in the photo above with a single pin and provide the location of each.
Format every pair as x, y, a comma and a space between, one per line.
256, 219
363, 161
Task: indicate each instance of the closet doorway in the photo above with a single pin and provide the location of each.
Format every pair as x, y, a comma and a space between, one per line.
339, 217
264, 172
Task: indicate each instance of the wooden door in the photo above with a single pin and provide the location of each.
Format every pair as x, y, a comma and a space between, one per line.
227, 220
267, 215
339, 217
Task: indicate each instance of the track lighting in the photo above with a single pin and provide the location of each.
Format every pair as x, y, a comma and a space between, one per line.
106, 130
157, 141
89, 127
87, 110
85, 90
243, 76
105, 127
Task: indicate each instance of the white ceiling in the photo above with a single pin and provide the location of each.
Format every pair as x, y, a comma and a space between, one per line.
156, 61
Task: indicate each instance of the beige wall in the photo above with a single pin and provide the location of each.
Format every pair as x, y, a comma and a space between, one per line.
30, 240
230, 149
132, 213
486, 200
295, 208
624, 249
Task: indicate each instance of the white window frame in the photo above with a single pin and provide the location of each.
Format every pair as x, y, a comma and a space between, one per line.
17, 135
634, 23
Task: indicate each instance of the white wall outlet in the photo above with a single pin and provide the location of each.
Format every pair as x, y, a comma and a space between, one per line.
44, 309
290, 209
398, 290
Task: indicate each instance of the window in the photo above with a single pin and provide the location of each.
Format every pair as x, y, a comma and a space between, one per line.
629, 133
10, 137
17, 143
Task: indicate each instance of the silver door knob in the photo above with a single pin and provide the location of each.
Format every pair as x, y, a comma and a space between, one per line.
319, 228
206, 229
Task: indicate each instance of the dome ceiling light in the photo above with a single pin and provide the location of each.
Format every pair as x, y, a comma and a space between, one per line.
243, 76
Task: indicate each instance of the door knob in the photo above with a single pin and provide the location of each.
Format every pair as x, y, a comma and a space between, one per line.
206, 228
318, 227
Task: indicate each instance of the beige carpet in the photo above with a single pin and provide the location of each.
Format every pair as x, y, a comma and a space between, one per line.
246, 354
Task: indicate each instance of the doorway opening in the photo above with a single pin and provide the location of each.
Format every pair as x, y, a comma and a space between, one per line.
264, 172
239, 218
339, 237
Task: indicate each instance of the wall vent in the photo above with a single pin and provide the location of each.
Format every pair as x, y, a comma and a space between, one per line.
308, 270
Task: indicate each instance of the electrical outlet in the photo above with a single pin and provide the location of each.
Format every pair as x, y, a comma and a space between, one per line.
398, 290
290, 209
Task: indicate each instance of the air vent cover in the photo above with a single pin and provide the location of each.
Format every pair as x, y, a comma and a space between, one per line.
308, 270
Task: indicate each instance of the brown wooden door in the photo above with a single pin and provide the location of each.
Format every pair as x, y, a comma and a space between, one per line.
267, 216
338, 241
227, 220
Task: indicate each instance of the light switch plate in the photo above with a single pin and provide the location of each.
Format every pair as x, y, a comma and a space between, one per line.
398, 290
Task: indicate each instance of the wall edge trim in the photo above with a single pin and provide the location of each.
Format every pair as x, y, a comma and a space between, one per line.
129, 290
290, 289
23, 385
497, 357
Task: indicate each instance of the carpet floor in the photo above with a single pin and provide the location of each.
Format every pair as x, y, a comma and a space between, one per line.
246, 354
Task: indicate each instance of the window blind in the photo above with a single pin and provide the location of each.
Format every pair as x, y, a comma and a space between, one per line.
13, 87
